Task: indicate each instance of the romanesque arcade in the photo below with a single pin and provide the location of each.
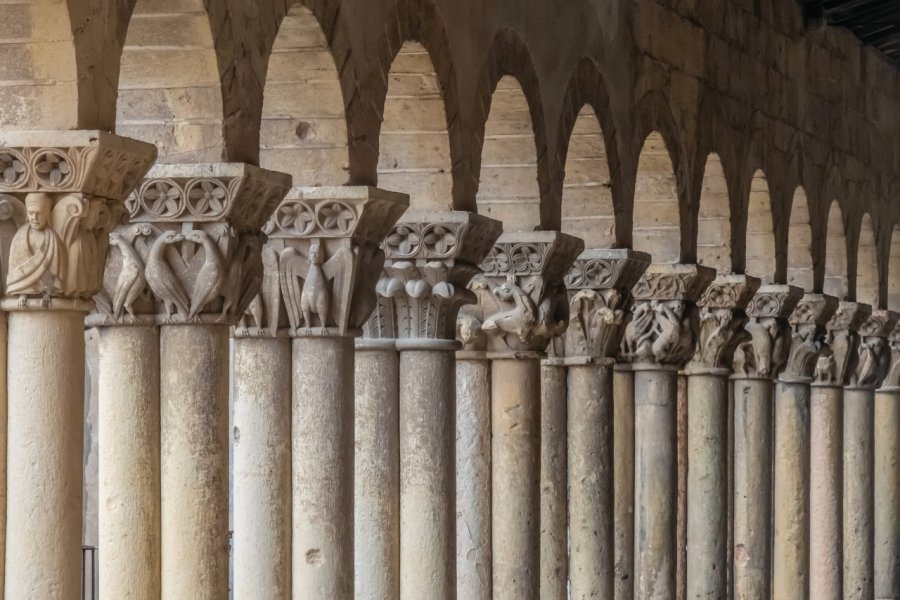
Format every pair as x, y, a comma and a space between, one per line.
439, 299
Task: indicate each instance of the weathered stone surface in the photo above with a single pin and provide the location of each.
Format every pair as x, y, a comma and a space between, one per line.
840, 356
721, 319
807, 331
763, 349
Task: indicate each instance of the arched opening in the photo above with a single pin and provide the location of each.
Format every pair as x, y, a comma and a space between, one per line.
714, 219
39, 78
414, 153
760, 230
508, 188
893, 282
587, 202
800, 262
303, 129
867, 265
169, 86
836, 281
657, 221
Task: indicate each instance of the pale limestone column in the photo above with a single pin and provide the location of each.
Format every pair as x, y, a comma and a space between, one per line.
659, 340
59, 200
473, 474
759, 356
887, 476
836, 361
430, 258
721, 319
377, 469
554, 504
4, 330
790, 553
623, 480
859, 455
599, 290
517, 333
324, 245
189, 262
261, 463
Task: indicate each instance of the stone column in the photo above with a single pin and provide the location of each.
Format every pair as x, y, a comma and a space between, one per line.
189, 263
859, 455
431, 257
838, 357
791, 494
377, 462
659, 340
760, 355
599, 289
521, 307
887, 475
623, 480
324, 245
61, 195
721, 318
554, 502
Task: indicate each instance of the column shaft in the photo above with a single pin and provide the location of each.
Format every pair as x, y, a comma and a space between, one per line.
261, 438
4, 329
825, 493
129, 524
791, 500
707, 485
377, 472
858, 534
554, 518
515, 478
473, 478
322, 451
427, 474
623, 484
194, 461
887, 494
591, 481
655, 486
44, 440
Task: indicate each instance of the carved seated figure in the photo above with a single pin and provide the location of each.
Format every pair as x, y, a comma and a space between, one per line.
36, 258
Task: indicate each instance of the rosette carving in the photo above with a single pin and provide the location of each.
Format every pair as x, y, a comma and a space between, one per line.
722, 318
521, 298
807, 324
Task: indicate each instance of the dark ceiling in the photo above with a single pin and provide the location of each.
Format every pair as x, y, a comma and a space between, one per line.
875, 22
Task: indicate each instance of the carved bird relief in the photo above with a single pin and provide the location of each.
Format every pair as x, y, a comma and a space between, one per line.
326, 286
315, 298
162, 279
131, 282
211, 277
245, 274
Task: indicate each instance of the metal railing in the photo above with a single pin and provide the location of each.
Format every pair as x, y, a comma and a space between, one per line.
89, 573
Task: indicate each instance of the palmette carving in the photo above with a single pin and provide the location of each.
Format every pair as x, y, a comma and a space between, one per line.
722, 317
322, 262
763, 346
874, 362
838, 355
664, 323
807, 324
521, 298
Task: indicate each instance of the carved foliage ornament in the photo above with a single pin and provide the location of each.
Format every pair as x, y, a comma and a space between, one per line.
763, 347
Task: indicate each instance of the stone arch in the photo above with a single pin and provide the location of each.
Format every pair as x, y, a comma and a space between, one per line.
169, 82
414, 154
416, 46
799, 248
761, 257
303, 129
867, 279
513, 164
836, 276
589, 185
657, 222
893, 271
714, 217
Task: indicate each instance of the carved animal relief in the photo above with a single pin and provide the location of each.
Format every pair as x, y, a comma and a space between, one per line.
763, 346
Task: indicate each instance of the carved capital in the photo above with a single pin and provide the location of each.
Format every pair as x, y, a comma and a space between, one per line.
599, 289
722, 318
892, 381
664, 324
430, 259
807, 324
191, 252
763, 347
322, 262
521, 297
838, 355
873, 363
61, 193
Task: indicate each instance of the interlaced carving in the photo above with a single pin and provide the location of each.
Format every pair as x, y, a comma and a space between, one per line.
521, 298
807, 335
722, 317
664, 323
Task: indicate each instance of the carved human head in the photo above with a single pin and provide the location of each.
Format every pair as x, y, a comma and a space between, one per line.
38, 207
315, 253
